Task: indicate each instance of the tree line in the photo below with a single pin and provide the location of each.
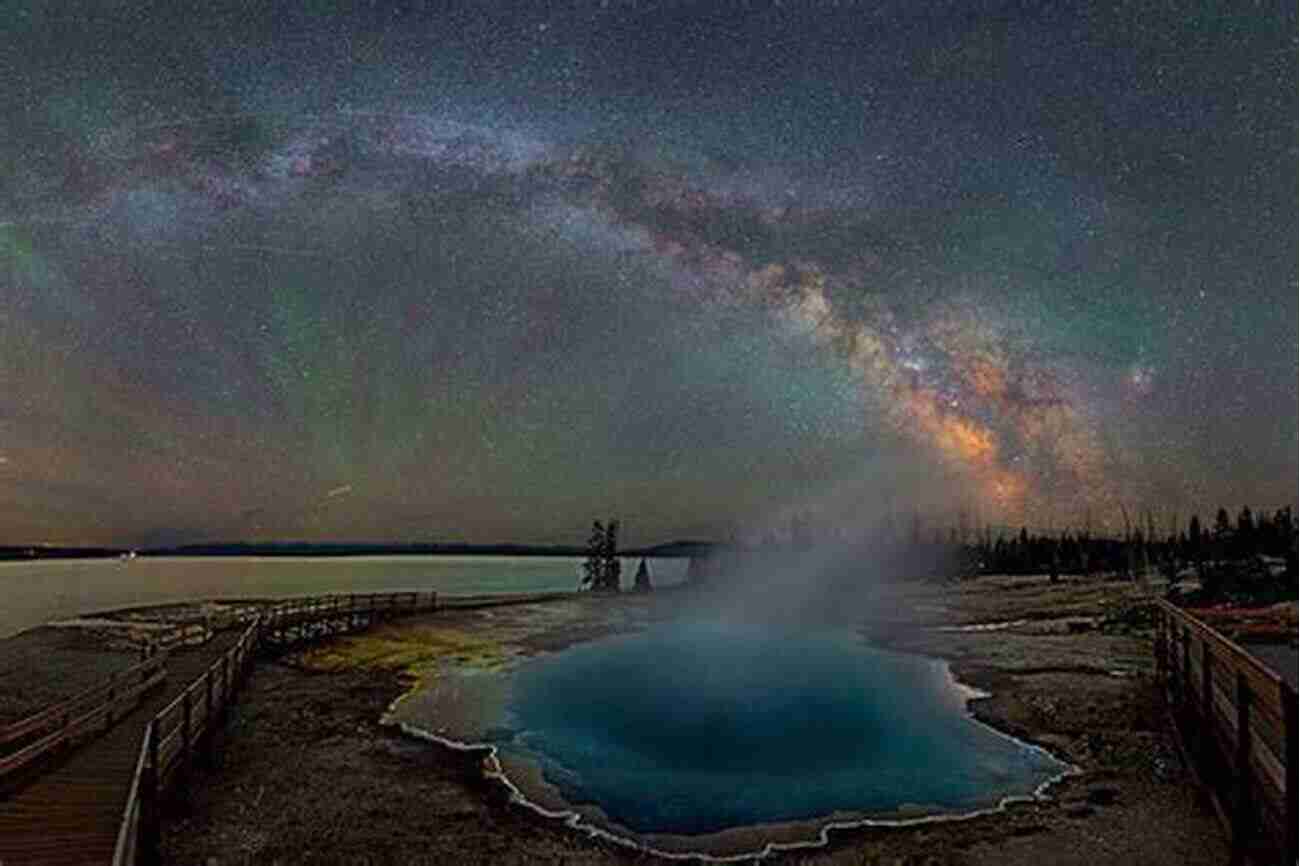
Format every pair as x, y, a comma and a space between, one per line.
1231, 556
1142, 549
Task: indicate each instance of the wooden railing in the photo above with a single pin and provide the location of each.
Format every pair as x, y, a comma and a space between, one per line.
126, 850
316, 607
185, 727
1236, 720
78, 717
190, 718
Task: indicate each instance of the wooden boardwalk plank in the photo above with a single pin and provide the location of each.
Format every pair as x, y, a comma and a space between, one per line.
70, 815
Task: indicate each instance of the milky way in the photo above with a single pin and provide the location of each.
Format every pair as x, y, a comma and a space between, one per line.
487, 274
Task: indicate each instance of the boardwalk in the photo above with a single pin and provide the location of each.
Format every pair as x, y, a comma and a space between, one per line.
1236, 720
71, 814
100, 805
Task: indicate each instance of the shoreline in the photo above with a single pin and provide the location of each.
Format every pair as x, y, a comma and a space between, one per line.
814, 832
578, 820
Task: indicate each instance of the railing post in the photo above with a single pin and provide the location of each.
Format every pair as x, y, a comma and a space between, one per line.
186, 716
225, 684
1158, 645
209, 722
1207, 702
1287, 696
1241, 811
1187, 666
149, 800
1171, 659
108, 705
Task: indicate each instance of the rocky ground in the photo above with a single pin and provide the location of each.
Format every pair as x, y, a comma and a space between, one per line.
308, 774
43, 666
51, 663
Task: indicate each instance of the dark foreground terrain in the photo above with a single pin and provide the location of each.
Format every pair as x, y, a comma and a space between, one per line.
309, 775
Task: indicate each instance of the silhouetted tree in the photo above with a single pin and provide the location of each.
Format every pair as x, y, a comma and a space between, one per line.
1085, 552
1222, 526
642, 581
1244, 540
593, 569
1137, 550
1222, 534
1283, 541
1196, 545
613, 568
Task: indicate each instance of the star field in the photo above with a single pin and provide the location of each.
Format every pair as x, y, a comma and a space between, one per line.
486, 272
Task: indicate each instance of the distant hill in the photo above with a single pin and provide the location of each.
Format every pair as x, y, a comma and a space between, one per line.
43, 551
304, 548
680, 548
674, 548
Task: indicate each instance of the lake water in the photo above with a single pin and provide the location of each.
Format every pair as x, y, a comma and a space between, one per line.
35, 592
693, 728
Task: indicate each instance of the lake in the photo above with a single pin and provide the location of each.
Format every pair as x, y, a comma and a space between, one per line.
32, 593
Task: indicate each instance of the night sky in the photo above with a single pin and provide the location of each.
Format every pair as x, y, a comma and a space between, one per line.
486, 271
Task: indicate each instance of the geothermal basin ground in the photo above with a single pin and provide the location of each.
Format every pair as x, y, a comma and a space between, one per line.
341, 753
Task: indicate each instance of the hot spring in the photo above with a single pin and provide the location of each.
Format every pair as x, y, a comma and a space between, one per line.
695, 728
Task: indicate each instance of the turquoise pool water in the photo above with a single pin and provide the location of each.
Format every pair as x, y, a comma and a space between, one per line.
693, 728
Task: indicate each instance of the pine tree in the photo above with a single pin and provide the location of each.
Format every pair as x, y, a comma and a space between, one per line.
1283, 539
1222, 534
613, 569
1195, 542
1245, 545
642, 581
1138, 555
593, 570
